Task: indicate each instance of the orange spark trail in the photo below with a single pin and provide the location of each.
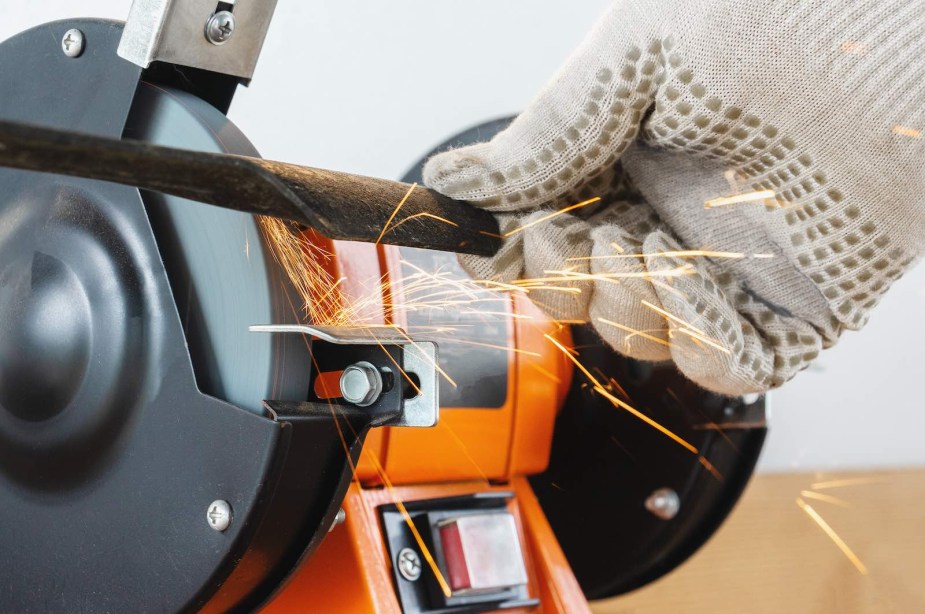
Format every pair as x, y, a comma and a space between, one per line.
545, 372
546, 218
463, 448
635, 333
808, 494
302, 261
806, 507
704, 339
436, 366
847, 482
853, 47
613, 277
396, 499
398, 366
424, 214
603, 391
731, 426
907, 131
688, 253
490, 346
674, 318
748, 197
395, 212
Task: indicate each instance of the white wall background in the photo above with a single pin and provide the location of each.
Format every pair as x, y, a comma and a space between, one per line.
368, 87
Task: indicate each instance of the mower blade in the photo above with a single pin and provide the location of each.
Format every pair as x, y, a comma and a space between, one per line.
338, 205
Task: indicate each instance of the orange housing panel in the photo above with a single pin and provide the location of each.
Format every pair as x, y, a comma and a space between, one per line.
471, 450
351, 572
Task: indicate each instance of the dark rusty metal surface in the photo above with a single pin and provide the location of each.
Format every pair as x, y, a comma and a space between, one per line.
338, 205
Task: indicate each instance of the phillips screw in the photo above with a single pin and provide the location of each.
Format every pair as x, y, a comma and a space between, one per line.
664, 503
73, 43
219, 515
409, 564
220, 27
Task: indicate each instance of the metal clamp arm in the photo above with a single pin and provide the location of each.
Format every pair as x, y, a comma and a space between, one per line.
185, 32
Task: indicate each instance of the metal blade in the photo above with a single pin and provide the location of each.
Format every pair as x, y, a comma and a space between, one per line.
338, 205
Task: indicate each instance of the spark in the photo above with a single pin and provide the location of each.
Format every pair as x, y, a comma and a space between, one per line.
625, 406
672, 317
463, 448
623, 448
546, 218
304, 261
747, 197
704, 339
668, 288
496, 285
490, 346
395, 212
689, 253
634, 332
536, 284
573, 276
828, 530
433, 362
616, 386
330, 291
399, 367
396, 499
545, 372
729, 426
808, 494
732, 178
427, 215
907, 131
853, 47
380, 470
847, 482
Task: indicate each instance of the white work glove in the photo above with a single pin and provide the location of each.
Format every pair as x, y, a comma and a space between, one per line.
670, 104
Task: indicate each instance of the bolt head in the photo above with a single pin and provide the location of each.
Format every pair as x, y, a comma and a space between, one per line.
409, 564
219, 515
664, 503
72, 43
339, 518
220, 27
361, 384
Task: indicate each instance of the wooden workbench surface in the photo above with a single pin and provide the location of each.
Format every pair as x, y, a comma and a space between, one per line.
772, 557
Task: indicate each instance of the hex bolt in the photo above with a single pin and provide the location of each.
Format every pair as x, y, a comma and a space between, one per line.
220, 27
219, 515
409, 564
72, 44
361, 384
339, 518
664, 503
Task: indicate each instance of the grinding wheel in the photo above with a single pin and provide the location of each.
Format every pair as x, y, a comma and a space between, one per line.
132, 396
222, 275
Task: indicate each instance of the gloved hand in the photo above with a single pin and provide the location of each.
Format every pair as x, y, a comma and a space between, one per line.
811, 111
